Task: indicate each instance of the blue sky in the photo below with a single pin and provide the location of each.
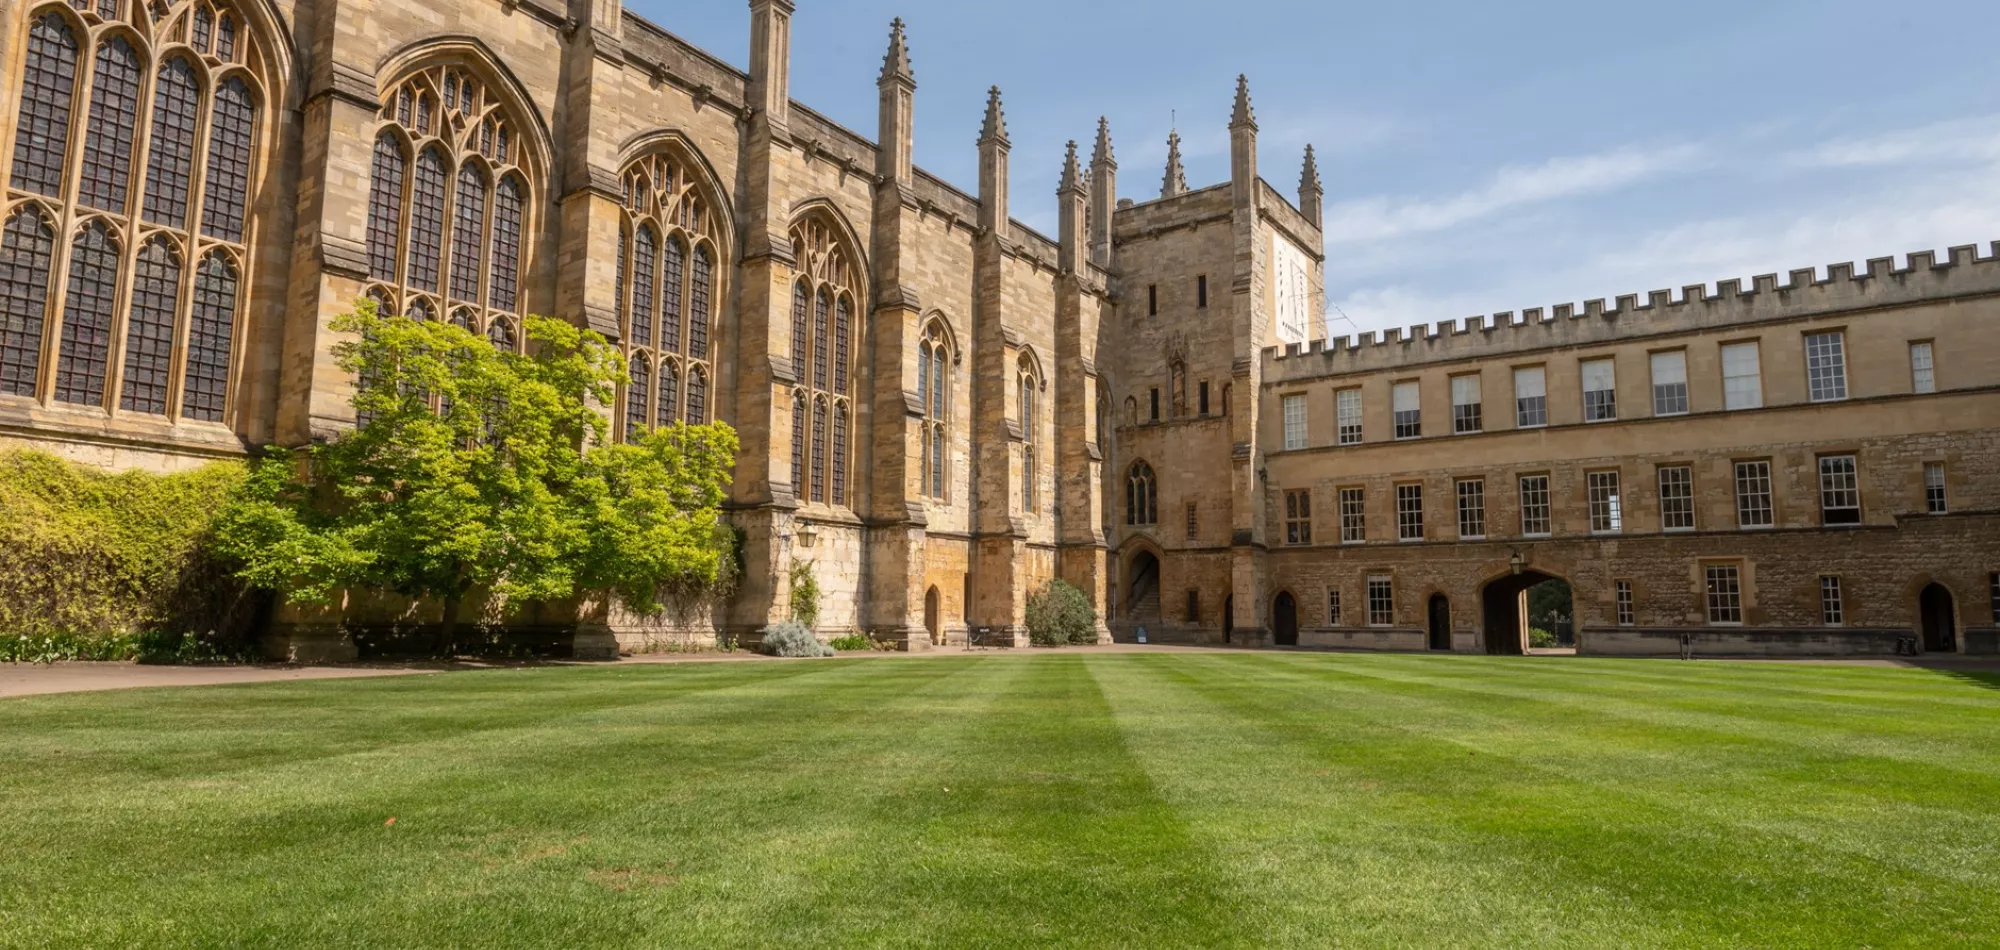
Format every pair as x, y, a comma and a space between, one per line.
1478, 156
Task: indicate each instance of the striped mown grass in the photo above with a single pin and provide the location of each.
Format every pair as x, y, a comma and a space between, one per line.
1066, 799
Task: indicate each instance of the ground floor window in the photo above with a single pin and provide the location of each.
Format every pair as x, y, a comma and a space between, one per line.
1725, 593
1193, 606
1831, 610
1333, 606
1624, 592
1381, 601
1298, 516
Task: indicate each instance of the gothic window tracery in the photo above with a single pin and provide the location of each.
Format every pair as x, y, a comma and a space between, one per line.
1142, 503
1030, 383
823, 301
449, 203
933, 386
667, 243
138, 142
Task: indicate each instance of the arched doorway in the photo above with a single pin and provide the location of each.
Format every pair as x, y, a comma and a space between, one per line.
1228, 617
1504, 611
1142, 589
933, 619
1939, 619
1440, 622
1285, 620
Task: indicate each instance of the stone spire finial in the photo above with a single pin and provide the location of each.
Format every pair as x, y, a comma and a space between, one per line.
1072, 174
1244, 116
1176, 180
995, 128
1102, 157
1311, 191
896, 63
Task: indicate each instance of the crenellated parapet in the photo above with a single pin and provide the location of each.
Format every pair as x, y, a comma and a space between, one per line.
1804, 294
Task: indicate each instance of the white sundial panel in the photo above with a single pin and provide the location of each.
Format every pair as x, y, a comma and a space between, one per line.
1291, 291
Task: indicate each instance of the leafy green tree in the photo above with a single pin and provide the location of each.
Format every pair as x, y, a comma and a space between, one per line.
482, 469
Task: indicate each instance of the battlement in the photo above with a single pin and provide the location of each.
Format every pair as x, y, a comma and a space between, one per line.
1962, 273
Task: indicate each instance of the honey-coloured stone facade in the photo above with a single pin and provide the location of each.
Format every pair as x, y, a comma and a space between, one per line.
941, 410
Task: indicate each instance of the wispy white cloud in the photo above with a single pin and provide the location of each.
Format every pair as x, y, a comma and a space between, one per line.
1375, 219
1955, 141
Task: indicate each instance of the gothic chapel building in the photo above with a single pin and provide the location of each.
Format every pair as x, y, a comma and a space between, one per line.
941, 409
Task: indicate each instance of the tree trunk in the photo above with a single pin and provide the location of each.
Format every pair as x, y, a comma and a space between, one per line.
448, 630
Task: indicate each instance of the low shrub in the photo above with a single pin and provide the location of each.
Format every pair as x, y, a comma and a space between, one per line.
1542, 639
1059, 613
792, 639
104, 565
853, 642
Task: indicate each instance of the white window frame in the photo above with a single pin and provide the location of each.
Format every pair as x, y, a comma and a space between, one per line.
1607, 511
1333, 607
1298, 516
1923, 367
1531, 401
1544, 505
1604, 407
1467, 415
1678, 488
1742, 376
1471, 494
1353, 515
1410, 511
1295, 421
1623, 603
1406, 405
1753, 482
1347, 411
1381, 600
1723, 594
1936, 500
1670, 382
1826, 366
1839, 490
1832, 604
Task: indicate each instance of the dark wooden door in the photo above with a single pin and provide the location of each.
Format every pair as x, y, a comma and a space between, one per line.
1440, 622
1285, 621
1940, 627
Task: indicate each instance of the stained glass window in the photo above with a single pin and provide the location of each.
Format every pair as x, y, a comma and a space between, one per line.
501, 334
86, 329
670, 394
698, 293
204, 28
644, 259
673, 274
820, 307
176, 104
149, 333
840, 329
26, 247
114, 114
225, 39
636, 410
507, 245
427, 220
800, 298
840, 455
385, 208
228, 173
799, 445
468, 223
206, 381
697, 400
48, 82
819, 451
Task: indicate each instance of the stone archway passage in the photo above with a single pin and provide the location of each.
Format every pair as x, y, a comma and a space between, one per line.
1285, 620
1440, 617
1504, 611
1938, 618
1142, 589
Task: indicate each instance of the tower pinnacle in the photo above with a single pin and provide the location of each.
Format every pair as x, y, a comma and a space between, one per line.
1102, 157
1244, 116
896, 63
1176, 181
995, 127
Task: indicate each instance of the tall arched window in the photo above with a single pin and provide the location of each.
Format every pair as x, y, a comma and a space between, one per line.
27, 247
1031, 473
163, 226
823, 302
673, 238
799, 427
1142, 504
448, 205
1177, 387
933, 384
636, 410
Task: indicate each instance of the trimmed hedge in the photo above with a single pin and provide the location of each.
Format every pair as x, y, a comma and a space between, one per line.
103, 565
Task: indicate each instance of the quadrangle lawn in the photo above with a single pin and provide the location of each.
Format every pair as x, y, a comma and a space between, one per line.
1040, 799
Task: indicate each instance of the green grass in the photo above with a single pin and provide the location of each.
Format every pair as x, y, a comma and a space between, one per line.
1071, 799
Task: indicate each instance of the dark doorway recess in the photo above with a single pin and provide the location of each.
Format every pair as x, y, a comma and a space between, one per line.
1939, 618
1440, 622
1504, 610
1285, 621
1228, 617
933, 622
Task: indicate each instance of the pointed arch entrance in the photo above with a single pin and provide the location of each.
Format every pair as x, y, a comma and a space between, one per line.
1285, 620
1937, 617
